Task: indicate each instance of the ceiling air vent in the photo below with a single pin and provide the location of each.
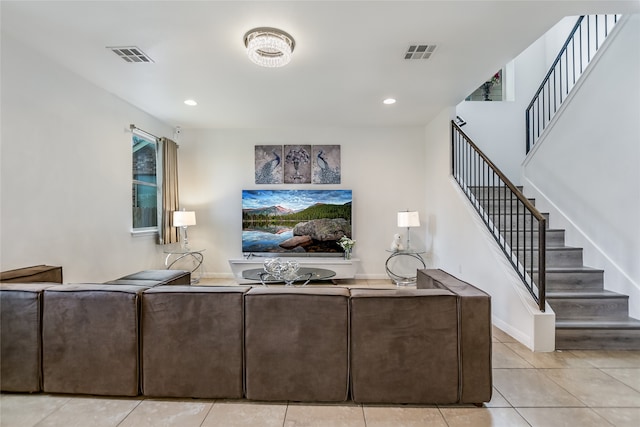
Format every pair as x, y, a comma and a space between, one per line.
130, 54
420, 51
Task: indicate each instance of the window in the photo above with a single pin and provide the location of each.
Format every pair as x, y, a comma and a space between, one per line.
145, 183
491, 90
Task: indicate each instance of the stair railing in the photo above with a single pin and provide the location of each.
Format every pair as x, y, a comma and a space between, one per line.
516, 225
578, 50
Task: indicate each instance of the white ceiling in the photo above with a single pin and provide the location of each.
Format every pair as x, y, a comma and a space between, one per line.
348, 55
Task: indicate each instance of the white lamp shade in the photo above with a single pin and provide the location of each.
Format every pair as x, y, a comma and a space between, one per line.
408, 219
184, 218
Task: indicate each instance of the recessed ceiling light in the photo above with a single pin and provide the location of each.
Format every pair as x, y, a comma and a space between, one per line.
389, 101
191, 102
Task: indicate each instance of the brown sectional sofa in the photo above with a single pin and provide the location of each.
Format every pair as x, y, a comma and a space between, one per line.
325, 344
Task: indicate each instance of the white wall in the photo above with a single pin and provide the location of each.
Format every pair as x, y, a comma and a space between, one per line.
462, 245
383, 166
66, 172
585, 170
66, 188
66, 177
498, 128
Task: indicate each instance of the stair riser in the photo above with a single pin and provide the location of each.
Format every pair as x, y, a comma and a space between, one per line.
553, 238
556, 258
505, 222
496, 207
597, 339
583, 308
572, 281
484, 192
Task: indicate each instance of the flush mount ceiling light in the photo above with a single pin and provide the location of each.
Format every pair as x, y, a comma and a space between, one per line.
269, 47
389, 101
190, 102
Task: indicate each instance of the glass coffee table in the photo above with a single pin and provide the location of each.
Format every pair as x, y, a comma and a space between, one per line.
303, 276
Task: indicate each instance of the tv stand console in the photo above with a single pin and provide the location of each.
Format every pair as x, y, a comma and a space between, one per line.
344, 268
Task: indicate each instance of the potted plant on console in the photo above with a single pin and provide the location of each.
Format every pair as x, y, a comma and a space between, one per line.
346, 244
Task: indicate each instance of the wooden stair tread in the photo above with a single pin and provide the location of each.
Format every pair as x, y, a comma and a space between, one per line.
628, 323
582, 269
587, 315
552, 248
585, 294
569, 270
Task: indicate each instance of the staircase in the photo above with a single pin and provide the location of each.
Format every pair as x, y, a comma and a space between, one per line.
587, 315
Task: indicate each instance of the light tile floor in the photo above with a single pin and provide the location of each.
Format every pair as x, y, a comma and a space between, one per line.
568, 388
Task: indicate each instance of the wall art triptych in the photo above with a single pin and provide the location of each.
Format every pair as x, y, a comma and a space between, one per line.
297, 164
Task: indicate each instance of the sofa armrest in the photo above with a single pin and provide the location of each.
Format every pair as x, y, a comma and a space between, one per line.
475, 332
36, 273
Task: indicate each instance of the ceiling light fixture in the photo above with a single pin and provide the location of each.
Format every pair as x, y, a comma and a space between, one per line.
389, 101
269, 47
191, 102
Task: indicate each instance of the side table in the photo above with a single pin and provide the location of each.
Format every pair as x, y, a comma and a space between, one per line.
403, 271
196, 257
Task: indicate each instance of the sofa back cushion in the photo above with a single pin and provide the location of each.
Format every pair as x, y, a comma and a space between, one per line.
90, 339
297, 344
20, 341
192, 341
404, 346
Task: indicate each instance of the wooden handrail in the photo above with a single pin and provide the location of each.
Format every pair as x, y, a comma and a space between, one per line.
518, 256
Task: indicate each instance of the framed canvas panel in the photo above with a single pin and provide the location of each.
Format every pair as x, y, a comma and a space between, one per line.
325, 165
297, 164
268, 164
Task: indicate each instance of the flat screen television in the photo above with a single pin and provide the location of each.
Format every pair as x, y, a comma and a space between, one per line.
295, 222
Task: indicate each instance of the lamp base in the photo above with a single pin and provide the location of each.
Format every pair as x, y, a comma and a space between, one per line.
184, 241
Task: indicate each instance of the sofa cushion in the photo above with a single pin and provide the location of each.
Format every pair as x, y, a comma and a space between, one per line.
90, 339
404, 346
20, 341
296, 344
164, 277
192, 341
135, 282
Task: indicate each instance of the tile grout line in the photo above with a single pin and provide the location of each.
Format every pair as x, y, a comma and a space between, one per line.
364, 416
209, 411
616, 379
53, 411
131, 411
286, 411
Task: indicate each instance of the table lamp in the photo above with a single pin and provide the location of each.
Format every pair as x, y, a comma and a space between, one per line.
408, 219
183, 219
